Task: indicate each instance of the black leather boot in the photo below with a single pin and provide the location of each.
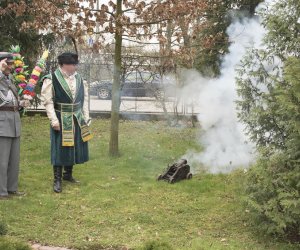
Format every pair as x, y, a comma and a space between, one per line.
57, 170
68, 174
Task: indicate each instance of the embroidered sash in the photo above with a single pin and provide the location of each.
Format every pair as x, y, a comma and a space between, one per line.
67, 111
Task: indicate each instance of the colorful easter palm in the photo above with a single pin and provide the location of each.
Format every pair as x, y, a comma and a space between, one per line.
26, 87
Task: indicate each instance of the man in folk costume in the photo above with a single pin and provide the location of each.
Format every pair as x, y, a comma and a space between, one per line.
10, 128
65, 96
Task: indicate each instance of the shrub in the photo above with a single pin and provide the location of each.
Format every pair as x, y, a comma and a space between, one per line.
273, 188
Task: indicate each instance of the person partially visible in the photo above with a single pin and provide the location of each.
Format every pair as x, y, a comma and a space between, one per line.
10, 128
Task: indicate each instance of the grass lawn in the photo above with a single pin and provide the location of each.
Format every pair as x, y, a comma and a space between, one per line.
120, 203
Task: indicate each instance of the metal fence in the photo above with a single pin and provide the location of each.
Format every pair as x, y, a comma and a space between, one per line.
97, 71
89, 71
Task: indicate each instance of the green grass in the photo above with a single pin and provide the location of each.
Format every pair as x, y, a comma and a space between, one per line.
120, 203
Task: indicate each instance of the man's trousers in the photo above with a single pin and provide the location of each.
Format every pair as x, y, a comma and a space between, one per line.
9, 164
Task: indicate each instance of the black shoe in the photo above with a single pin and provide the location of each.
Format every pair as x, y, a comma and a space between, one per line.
57, 170
70, 179
16, 193
68, 174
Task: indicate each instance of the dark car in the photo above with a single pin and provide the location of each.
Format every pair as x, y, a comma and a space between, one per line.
136, 84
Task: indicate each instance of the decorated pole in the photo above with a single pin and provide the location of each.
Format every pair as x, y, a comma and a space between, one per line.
20, 74
35, 75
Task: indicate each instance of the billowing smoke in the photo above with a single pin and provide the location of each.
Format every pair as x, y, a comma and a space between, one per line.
223, 139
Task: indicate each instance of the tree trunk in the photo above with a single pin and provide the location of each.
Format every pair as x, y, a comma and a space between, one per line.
165, 51
115, 105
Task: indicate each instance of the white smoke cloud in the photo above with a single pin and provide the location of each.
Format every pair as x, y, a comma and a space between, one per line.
223, 137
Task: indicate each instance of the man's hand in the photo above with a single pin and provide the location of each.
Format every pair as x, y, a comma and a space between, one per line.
3, 64
56, 126
25, 103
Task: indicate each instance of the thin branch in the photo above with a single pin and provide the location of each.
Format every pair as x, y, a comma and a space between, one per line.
108, 12
146, 23
95, 10
140, 42
142, 35
127, 10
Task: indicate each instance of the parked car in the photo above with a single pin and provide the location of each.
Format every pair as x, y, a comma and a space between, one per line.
136, 84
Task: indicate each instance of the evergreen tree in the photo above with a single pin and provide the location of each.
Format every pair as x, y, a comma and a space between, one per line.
269, 89
12, 33
212, 42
